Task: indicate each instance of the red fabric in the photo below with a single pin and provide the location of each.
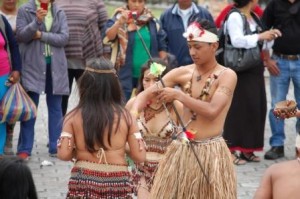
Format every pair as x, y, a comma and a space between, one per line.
220, 18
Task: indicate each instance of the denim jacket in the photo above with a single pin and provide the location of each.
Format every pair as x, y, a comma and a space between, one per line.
33, 50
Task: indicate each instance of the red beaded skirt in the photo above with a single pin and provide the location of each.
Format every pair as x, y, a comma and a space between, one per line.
103, 181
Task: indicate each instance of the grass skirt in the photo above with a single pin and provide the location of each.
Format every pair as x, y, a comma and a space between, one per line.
101, 181
179, 175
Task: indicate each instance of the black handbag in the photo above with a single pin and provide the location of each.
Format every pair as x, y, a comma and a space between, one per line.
241, 59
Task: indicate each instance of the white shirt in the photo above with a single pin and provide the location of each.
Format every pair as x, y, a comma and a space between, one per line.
235, 27
11, 19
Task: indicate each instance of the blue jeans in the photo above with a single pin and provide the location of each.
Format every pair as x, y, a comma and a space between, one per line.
55, 120
279, 85
3, 89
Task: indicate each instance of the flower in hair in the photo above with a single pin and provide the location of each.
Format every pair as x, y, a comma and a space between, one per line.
157, 69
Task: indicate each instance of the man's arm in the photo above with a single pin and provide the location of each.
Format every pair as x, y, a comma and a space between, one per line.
170, 80
264, 191
219, 100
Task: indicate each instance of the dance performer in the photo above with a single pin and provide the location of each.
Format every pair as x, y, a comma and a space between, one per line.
95, 133
158, 123
201, 166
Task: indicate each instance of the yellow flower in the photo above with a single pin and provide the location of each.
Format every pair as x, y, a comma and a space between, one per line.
156, 69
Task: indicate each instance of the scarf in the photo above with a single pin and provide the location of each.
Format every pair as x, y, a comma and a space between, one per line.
130, 26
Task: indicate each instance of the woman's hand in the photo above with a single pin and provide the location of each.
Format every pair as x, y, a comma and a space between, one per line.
40, 14
123, 17
13, 78
270, 35
37, 35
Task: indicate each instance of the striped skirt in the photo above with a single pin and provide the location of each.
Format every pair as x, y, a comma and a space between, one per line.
103, 181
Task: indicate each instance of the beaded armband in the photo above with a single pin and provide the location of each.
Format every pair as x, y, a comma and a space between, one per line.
65, 135
140, 139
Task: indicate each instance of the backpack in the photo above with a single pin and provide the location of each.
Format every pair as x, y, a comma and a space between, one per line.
221, 35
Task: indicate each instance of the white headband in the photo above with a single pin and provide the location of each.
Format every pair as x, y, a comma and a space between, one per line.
196, 33
298, 141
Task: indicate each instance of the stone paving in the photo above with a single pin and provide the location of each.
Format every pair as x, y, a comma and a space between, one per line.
51, 181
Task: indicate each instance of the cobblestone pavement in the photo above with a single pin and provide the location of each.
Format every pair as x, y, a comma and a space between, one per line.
51, 181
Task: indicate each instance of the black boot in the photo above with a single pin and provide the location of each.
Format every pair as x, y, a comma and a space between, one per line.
274, 153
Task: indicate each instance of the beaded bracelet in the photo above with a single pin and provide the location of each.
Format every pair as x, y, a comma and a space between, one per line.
63, 136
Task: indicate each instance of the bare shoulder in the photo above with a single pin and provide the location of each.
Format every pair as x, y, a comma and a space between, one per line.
182, 70
283, 167
227, 74
179, 75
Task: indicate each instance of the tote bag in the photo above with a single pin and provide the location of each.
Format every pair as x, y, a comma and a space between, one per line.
16, 105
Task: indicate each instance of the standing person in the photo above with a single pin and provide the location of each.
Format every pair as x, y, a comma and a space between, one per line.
284, 65
241, 134
9, 9
175, 21
220, 18
281, 180
95, 133
10, 67
133, 55
206, 94
42, 33
86, 21
158, 123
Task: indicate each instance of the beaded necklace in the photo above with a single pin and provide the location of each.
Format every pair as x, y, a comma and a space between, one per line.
150, 112
204, 92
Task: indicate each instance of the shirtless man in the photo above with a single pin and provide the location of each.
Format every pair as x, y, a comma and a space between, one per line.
206, 94
281, 180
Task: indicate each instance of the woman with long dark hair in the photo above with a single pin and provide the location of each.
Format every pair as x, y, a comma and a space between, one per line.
158, 123
95, 133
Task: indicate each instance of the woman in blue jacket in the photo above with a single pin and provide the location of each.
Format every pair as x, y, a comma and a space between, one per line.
124, 26
42, 32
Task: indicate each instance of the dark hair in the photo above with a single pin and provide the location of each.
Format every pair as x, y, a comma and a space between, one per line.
16, 179
241, 3
101, 102
206, 24
145, 67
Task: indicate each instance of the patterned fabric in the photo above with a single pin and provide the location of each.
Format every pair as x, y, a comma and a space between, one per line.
86, 22
156, 141
101, 181
142, 20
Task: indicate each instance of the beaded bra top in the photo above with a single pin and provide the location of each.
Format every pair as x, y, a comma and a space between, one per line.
166, 130
157, 141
